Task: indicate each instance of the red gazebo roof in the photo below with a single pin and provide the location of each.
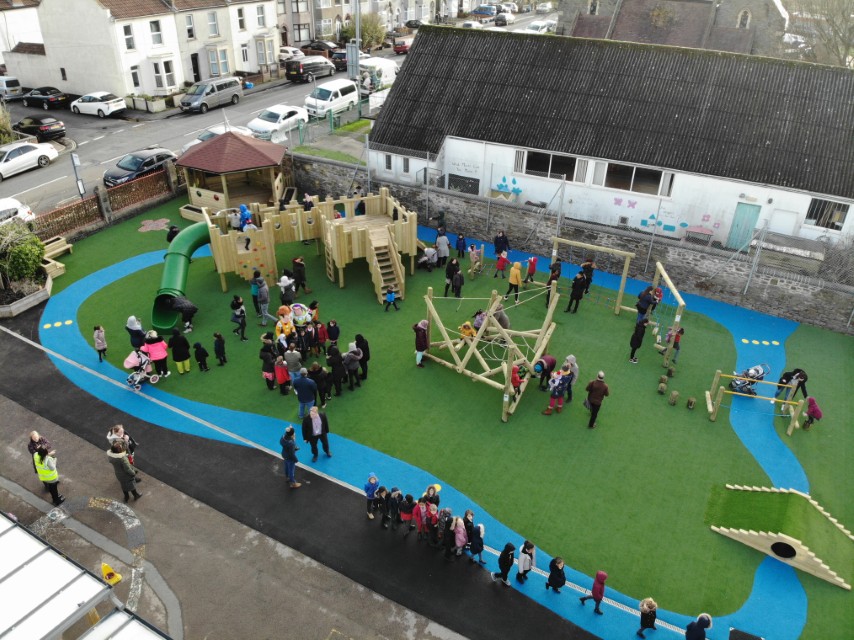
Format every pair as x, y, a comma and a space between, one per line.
232, 153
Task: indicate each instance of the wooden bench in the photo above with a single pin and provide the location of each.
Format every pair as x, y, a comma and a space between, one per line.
53, 268
57, 246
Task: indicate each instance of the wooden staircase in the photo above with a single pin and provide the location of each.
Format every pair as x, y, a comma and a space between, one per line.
386, 267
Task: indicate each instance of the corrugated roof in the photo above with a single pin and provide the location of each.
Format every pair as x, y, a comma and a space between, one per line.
230, 152
757, 119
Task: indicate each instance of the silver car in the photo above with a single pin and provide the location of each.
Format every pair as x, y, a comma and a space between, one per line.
21, 156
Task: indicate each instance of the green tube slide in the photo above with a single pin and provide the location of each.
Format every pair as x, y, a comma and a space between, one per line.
176, 266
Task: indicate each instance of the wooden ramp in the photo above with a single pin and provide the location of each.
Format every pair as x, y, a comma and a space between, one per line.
384, 262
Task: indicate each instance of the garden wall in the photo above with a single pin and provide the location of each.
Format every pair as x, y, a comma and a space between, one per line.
712, 273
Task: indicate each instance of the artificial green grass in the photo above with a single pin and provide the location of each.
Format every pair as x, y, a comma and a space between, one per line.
328, 154
628, 497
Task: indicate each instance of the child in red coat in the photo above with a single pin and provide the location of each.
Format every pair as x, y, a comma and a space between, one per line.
322, 336
501, 265
813, 413
598, 591
283, 378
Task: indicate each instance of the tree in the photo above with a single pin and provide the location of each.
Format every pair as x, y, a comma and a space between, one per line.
373, 31
829, 26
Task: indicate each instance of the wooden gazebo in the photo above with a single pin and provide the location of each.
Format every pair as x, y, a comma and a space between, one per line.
230, 169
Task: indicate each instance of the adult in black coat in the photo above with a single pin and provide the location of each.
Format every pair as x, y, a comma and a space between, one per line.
337, 370
299, 274
136, 332
501, 243
362, 343
579, 285
180, 348
637, 339
451, 269
321, 379
315, 428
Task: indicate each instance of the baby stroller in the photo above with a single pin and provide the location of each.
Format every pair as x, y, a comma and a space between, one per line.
752, 375
141, 365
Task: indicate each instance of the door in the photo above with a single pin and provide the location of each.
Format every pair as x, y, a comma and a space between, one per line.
743, 224
194, 63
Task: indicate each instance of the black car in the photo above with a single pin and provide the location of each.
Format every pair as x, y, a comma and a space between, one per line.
42, 127
339, 59
414, 24
319, 45
138, 163
46, 98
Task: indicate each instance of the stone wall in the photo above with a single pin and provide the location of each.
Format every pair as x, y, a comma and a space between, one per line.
707, 272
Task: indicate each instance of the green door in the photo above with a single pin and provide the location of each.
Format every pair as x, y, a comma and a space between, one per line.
743, 224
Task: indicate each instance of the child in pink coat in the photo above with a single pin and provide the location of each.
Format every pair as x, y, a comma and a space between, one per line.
813, 413
461, 538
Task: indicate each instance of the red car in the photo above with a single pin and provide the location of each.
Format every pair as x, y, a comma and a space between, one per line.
401, 45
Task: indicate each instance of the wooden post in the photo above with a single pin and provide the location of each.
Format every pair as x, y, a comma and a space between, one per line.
508, 386
718, 398
618, 304
715, 381
793, 423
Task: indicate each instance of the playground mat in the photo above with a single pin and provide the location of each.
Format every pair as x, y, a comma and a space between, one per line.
628, 497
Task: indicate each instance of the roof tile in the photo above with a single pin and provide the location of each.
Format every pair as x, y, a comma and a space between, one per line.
230, 152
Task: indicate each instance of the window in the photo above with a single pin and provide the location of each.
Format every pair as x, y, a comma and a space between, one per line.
519, 162
299, 6
666, 184
244, 52
156, 33
550, 165
62, 73
628, 178
241, 19
213, 25
191, 27
164, 74
827, 214
213, 59
324, 28
744, 19
129, 44
406, 165
388, 162
593, 7
170, 73
262, 16
283, 6
223, 62
260, 51
324, 4
580, 171
301, 33
134, 76
538, 164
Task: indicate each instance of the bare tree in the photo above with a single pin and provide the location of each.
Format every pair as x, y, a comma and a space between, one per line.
829, 25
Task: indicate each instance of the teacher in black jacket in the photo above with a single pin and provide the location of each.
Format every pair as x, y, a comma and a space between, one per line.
315, 428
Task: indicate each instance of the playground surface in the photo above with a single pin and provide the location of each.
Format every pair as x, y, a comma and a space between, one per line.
628, 497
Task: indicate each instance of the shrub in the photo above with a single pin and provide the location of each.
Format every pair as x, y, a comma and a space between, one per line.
21, 253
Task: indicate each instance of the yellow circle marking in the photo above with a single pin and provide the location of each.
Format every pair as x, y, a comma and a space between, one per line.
57, 324
765, 342
776, 343
755, 341
47, 326
67, 322
745, 340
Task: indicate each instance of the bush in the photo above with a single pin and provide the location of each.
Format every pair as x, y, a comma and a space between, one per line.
21, 253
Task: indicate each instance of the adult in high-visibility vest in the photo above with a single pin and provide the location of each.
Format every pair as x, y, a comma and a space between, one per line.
37, 440
46, 468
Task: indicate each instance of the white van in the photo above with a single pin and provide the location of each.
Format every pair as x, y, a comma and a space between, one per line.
376, 74
10, 88
334, 96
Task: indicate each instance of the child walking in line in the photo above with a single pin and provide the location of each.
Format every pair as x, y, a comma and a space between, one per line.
201, 355
527, 560
100, 342
557, 575
597, 593
407, 508
505, 563
283, 378
501, 265
813, 413
219, 348
476, 544
371, 487
391, 299
648, 614
419, 517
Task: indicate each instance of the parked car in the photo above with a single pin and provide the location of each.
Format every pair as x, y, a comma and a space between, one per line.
402, 45
214, 92
485, 11
319, 45
471, 24
214, 131
551, 26
289, 53
42, 127
99, 103
11, 210
137, 164
46, 98
414, 24
545, 7
10, 88
273, 123
339, 58
503, 19
308, 68
21, 156
537, 26
511, 7
334, 96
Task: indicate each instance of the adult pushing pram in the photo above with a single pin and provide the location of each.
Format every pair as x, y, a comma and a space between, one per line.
140, 363
748, 378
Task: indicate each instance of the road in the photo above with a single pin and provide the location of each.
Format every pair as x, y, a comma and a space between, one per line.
100, 143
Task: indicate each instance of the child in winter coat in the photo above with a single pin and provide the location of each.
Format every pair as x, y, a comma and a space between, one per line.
532, 269
813, 413
476, 544
501, 265
697, 630
407, 517
333, 331
598, 592
391, 299
371, 487
636, 340
648, 614
557, 575
559, 383
201, 355
219, 348
431, 494
419, 517
322, 336
461, 246
381, 500
433, 524
395, 501
283, 377
505, 563
527, 560
100, 342
461, 538
516, 381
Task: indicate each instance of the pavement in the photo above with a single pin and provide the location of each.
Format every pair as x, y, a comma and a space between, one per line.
230, 550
